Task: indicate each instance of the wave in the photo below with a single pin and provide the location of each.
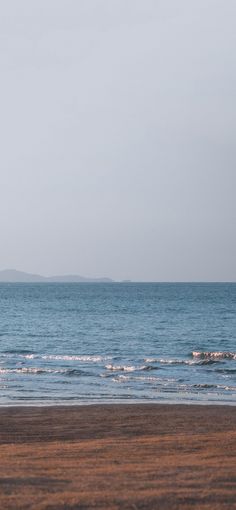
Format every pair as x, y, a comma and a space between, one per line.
129, 368
124, 378
173, 385
214, 386
27, 370
39, 371
211, 355
85, 358
179, 361
168, 361
60, 357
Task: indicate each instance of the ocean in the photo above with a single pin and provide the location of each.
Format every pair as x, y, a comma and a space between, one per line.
117, 342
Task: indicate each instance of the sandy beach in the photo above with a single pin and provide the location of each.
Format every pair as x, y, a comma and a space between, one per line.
118, 457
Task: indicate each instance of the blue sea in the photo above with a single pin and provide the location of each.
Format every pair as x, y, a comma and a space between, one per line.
117, 342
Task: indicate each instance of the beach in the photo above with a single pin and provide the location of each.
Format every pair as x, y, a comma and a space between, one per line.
122, 456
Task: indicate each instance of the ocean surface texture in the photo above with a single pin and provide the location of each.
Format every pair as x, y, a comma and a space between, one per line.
127, 342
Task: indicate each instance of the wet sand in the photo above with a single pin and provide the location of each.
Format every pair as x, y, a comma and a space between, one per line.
133, 457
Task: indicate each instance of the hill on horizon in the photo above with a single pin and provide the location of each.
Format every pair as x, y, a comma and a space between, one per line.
14, 276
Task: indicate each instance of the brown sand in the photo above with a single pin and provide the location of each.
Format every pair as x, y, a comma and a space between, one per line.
118, 457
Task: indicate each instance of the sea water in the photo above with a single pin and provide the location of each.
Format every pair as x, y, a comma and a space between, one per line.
117, 342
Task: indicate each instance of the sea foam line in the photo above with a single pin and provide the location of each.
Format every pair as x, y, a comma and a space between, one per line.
189, 362
34, 370
29, 370
128, 368
86, 358
67, 357
63, 357
211, 355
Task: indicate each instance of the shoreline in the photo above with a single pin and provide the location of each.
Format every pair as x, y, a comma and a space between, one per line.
202, 403
118, 456
121, 402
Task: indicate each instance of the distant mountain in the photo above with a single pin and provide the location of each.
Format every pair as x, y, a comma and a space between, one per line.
13, 276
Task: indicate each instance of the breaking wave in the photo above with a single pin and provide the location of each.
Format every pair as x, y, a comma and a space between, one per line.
84, 358
214, 386
27, 370
39, 371
212, 356
128, 368
125, 378
179, 361
59, 357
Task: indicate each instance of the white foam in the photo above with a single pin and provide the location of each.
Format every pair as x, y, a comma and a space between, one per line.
170, 361
67, 357
75, 358
29, 370
125, 368
123, 378
217, 355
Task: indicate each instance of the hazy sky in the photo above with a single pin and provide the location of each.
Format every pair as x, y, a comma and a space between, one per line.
118, 127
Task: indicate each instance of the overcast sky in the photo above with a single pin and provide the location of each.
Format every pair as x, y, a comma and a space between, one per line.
118, 126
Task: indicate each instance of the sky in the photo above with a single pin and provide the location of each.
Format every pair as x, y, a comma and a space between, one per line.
117, 126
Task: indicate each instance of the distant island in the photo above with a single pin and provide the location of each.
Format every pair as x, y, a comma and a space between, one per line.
14, 276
